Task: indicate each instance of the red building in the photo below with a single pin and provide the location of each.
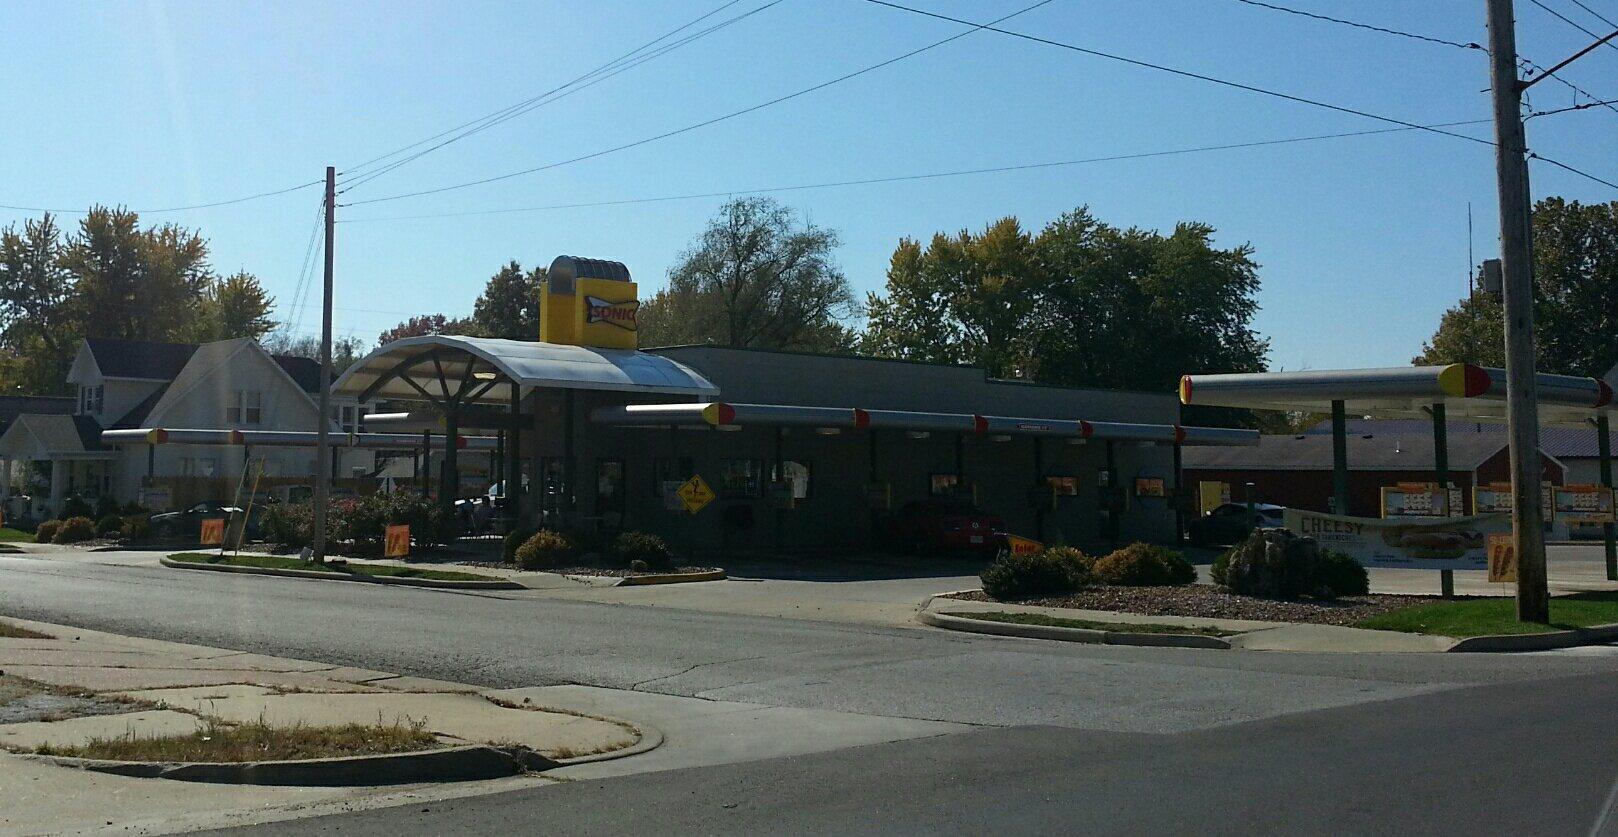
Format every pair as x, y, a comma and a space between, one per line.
1296, 471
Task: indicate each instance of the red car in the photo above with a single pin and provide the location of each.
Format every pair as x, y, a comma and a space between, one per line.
941, 524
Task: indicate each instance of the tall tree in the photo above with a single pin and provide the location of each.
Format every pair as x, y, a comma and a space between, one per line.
135, 284
424, 325
1081, 304
755, 278
36, 327
965, 299
235, 306
509, 304
1575, 298
345, 351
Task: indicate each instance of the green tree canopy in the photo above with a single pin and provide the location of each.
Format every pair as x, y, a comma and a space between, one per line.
1575, 298
509, 304
235, 306
36, 328
427, 324
755, 278
1082, 303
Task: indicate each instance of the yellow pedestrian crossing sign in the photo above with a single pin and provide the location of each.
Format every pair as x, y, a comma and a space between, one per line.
695, 494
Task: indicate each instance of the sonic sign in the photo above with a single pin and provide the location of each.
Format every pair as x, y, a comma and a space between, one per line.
588, 302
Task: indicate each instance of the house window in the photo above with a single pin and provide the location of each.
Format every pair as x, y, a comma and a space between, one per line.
246, 407
740, 477
90, 399
199, 466
348, 417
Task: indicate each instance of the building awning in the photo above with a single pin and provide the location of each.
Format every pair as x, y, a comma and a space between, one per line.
470, 370
725, 414
1465, 390
280, 438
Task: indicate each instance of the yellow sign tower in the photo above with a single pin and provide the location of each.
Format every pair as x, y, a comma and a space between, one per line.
588, 302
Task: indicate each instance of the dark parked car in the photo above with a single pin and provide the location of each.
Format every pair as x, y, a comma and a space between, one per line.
188, 523
941, 524
1230, 523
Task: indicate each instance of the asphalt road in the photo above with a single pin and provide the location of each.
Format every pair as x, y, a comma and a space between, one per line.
1076, 737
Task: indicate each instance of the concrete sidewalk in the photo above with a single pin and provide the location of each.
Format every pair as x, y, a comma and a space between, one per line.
178, 685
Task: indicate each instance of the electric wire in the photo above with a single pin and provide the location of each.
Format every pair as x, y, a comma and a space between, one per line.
625, 62
1368, 26
1199, 76
209, 205
1575, 24
912, 177
300, 291
1609, 103
703, 124
1593, 12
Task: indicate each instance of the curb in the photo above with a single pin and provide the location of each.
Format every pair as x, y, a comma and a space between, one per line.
450, 764
669, 578
982, 626
445, 584
650, 739
1538, 642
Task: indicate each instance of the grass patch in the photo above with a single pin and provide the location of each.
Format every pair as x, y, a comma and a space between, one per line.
1064, 622
1483, 616
10, 631
280, 562
256, 741
10, 535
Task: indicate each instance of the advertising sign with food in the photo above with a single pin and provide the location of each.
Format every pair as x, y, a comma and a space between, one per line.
1583, 503
1419, 499
1453, 543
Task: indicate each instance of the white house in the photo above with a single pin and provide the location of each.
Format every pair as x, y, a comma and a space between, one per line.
230, 384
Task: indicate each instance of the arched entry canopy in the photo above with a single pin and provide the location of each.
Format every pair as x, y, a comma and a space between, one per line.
458, 371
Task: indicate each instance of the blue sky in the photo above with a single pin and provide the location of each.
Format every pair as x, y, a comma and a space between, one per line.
1362, 240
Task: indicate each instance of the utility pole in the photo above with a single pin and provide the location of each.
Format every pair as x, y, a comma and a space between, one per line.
1522, 416
323, 423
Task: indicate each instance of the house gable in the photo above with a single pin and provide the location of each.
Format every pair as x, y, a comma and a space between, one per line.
199, 395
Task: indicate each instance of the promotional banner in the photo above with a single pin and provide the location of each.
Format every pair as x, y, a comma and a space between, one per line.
1495, 497
1420, 499
1453, 543
1583, 503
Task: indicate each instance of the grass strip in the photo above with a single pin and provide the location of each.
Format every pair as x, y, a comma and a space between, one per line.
10, 631
278, 562
1486, 616
10, 535
256, 741
1064, 622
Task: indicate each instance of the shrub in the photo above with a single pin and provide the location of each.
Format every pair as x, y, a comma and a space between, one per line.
45, 532
359, 522
1075, 555
105, 507
1277, 564
545, 550
1144, 565
74, 529
75, 506
136, 527
649, 550
515, 538
1220, 571
639, 566
1054, 572
289, 524
1343, 575
109, 526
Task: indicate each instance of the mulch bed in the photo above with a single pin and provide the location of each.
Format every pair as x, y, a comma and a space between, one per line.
580, 569
1211, 602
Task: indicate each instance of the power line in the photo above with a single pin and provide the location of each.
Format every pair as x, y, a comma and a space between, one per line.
1530, 67
301, 289
1609, 103
703, 124
229, 202
1596, 14
625, 62
1561, 165
1367, 26
1573, 23
1201, 77
911, 177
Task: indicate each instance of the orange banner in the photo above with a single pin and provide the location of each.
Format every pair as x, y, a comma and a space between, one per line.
396, 543
213, 531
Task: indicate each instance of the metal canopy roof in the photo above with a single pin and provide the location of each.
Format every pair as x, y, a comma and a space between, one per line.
279, 438
482, 370
1465, 390
724, 414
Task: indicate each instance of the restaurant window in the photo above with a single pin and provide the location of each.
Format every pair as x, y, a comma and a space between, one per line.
740, 477
668, 473
796, 474
610, 490
943, 483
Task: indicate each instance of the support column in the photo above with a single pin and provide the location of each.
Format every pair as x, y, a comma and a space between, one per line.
780, 513
569, 475
449, 477
1109, 499
1446, 578
872, 513
151, 463
425, 473
1604, 445
58, 485
513, 472
1179, 495
1038, 493
5, 480
1339, 457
